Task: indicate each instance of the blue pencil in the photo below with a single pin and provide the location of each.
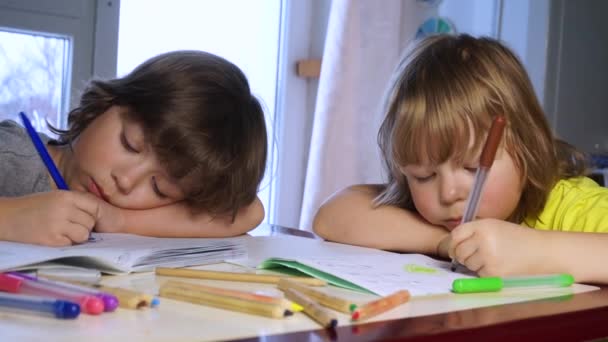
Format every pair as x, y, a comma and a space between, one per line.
46, 158
44, 154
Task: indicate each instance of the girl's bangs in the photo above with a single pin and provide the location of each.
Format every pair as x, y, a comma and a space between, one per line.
436, 126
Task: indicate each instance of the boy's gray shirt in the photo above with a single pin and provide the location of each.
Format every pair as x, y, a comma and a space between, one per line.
22, 171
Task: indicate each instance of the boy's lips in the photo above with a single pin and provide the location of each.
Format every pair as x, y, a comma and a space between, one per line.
97, 190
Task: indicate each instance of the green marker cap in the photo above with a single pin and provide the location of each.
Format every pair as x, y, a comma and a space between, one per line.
472, 285
552, 280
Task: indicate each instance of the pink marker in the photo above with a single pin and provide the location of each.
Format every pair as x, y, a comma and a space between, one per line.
15, 284
110, 302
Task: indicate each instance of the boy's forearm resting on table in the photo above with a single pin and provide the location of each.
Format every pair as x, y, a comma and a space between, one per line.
349, 217
178, 221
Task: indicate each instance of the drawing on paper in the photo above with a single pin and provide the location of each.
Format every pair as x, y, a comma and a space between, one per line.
420, 269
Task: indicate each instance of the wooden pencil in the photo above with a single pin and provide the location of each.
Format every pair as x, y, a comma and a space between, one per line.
312, 308
324, 299
232, 276
235, 293
380, 305
225, 302
127, 299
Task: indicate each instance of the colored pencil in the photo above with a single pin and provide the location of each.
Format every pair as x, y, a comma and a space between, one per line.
232, 276
381, 305
235, 293
324, 299
313, 309
225, 302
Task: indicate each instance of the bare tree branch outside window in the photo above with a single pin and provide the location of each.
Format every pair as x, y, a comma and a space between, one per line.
32, 68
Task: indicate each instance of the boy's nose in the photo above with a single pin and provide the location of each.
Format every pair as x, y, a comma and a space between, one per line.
127, 178
123, 183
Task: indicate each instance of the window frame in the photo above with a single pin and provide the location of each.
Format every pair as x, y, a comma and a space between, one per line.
84, 22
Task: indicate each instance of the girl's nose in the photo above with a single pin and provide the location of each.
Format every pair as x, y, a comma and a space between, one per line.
452, 189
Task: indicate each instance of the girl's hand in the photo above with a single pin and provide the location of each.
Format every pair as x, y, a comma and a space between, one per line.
493, 247
443, 247
56, 218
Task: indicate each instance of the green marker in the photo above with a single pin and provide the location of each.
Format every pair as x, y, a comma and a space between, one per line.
494, 284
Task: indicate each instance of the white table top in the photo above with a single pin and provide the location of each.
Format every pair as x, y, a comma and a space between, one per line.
180, 321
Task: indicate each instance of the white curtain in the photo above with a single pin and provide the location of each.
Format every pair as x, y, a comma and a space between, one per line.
364, 41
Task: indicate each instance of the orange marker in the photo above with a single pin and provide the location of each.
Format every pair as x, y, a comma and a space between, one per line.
381, 305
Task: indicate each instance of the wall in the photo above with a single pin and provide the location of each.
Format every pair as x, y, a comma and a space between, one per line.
577, 72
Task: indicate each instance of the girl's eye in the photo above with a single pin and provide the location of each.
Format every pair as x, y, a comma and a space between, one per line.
157, 190
126, 144
471, 169
423, 179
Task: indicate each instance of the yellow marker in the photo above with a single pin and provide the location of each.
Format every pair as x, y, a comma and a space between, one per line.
232, 276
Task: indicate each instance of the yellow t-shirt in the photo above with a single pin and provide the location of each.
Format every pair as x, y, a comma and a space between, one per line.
574, 205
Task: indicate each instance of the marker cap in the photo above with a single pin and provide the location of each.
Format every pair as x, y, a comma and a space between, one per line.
65, 309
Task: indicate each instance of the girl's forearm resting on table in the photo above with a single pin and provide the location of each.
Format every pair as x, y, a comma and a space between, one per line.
583, 255
178, 221
349, 217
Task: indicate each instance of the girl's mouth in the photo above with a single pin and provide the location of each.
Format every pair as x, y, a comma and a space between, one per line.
453, 223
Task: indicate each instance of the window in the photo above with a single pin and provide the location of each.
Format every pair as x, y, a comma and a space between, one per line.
47, 54
265, 38
33, 77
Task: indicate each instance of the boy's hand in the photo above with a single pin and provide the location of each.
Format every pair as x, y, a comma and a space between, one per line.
110, 219
493, 247
56, 218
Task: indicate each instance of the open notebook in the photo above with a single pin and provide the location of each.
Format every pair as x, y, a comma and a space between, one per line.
356, 268
123, 253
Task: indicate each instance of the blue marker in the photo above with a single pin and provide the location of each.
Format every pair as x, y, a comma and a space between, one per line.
44, 154
37, 305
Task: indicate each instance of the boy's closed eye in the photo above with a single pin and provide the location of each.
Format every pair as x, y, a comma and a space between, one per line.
126, 144
129, 140
157, 191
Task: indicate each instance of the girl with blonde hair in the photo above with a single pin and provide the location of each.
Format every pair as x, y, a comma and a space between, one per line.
538, 212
